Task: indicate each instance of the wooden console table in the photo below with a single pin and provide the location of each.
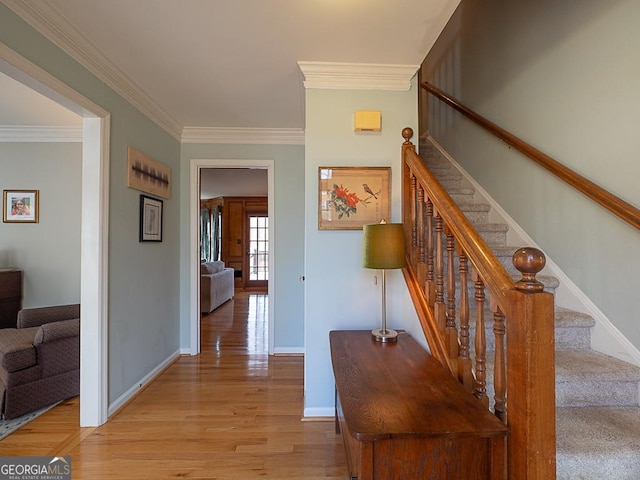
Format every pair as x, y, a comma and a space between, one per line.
403, 416
10, 297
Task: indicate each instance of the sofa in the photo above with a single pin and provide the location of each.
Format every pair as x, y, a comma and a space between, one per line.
40, 359
216, 285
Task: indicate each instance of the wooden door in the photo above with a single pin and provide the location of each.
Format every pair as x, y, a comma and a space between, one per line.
257, 261
237, 250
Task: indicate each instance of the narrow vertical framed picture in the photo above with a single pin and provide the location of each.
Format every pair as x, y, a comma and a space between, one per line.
20, 206
150, 219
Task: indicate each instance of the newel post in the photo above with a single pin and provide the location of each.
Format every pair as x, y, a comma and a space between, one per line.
408, 194
531, 451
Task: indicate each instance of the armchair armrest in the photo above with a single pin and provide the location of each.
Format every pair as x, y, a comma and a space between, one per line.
50, 332
34, 317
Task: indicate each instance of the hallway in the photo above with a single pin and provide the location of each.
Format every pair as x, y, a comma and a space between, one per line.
232, 412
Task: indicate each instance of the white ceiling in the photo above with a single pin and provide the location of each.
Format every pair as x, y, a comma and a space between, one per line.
20, 105
233, 63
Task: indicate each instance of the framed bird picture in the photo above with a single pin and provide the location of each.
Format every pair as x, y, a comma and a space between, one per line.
350, 197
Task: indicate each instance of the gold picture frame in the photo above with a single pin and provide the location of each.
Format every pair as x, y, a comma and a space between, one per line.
21, 206
350, 197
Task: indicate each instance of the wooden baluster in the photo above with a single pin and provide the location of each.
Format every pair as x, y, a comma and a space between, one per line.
440, 310
422, 268
414, 226
465, 374
480, 390
452, 331
499, 372
430, 288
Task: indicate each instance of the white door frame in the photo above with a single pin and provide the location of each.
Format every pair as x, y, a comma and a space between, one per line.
94, 229
195, 166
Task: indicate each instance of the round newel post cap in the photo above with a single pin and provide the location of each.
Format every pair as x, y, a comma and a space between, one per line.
407, 133
529, 261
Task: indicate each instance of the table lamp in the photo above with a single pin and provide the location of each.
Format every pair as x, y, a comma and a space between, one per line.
382, 249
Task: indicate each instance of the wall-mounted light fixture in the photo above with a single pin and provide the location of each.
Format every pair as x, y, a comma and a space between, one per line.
367, 121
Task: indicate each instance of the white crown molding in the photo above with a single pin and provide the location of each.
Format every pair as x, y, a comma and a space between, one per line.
244, 136
357, 76
30, 134
47, 20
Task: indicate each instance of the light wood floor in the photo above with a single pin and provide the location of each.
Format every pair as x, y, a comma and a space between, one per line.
232, 412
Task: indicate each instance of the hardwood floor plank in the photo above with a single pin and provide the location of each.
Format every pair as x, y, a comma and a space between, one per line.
233, 412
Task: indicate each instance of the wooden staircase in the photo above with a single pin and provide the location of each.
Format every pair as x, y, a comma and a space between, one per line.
597, 396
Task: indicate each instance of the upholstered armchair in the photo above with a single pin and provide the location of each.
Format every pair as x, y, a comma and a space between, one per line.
40, 359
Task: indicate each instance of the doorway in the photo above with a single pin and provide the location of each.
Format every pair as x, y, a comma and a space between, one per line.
196, 166
95, 214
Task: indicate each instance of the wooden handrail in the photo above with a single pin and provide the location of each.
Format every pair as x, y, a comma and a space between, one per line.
623, 210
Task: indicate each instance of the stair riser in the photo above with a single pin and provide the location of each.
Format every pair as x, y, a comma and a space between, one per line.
565, 338
450, 183
573, 337
597, 394
477, 217
462, 197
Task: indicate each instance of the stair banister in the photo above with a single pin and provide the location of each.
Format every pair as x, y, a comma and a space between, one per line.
491, 270
524, 372
623, 210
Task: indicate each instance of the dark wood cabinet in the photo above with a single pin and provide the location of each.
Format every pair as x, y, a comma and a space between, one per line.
10, 297
402, 415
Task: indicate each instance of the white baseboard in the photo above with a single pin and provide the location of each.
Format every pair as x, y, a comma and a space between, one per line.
140, 384
605, 337
284, 351
319, 412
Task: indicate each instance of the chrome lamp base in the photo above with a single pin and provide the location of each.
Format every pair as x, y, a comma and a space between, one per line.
384, 335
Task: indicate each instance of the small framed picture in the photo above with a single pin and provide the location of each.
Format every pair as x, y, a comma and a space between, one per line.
350, 197
150, 219
20, 206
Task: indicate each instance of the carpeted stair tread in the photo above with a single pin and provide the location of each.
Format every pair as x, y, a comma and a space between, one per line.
492, 227
609, 446
573, 329
570, 318
593, 366
475, 207
589, 378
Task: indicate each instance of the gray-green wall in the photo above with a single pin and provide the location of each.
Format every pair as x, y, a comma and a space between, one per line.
288, 197
339, 293
47, 252
144, 298
564, 77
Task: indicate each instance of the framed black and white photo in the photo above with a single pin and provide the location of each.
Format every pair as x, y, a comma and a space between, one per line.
150, 219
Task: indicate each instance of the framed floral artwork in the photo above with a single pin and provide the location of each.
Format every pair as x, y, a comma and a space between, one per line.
350, 197
20, 206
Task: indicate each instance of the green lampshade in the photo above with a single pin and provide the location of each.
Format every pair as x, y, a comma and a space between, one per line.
383, 246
